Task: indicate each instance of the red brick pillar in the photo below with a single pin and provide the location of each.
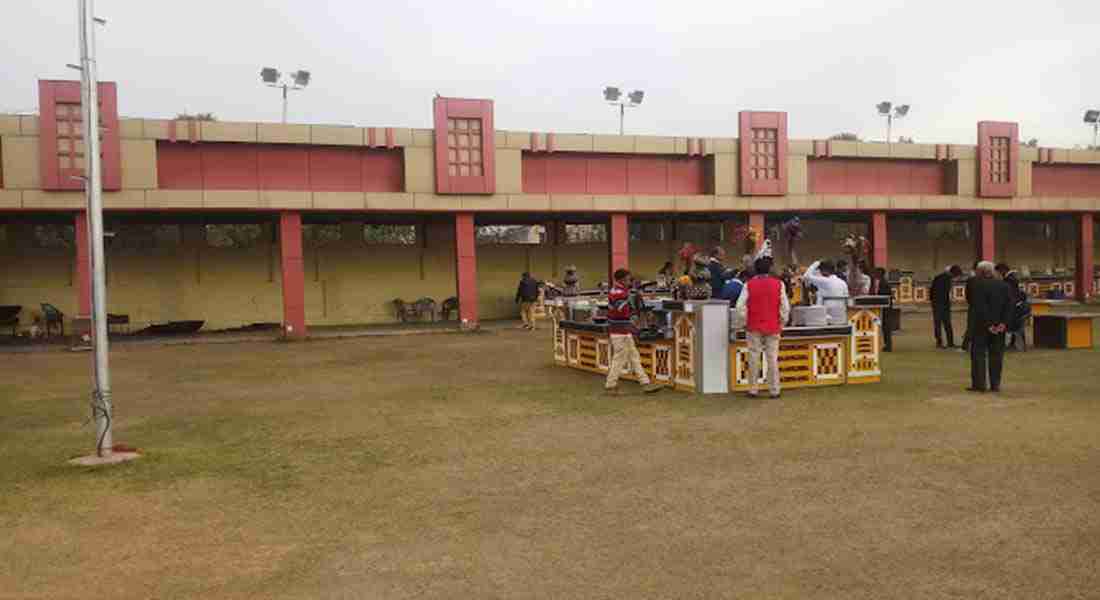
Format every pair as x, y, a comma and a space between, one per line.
293, 272
466, 270
1085, 241
879, 254
756, 223
619, 245
83, 267
987, 247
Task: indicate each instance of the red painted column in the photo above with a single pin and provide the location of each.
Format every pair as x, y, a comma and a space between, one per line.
879, 254
294, 296
987, 247
619, 245
1085, 241
466, 270
756, 223
83, 266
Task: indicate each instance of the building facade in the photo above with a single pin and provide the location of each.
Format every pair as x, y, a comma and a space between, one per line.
237, 223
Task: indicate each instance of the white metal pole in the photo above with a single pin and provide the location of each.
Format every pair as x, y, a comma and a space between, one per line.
284, 102
622, 114
889, 126
101, 396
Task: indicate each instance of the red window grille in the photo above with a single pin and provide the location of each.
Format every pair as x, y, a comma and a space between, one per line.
464, 149
999, 154
464, 146
765, 153
762, 146
70, 140
61, 137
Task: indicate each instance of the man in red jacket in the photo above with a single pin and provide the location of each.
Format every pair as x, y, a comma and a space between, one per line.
624, 354
763, 308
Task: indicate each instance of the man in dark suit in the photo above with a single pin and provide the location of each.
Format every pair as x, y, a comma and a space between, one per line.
989, 315
881, 287
940, 295
969, 284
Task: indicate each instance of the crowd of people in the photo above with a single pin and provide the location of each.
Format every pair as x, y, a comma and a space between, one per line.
997, 308
997, 313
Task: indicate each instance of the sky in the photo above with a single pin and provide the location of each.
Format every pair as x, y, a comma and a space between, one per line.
545, 64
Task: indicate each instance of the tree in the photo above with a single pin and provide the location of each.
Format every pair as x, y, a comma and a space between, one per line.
196, 117
510, 234
846, 136
905, 140
1032, 143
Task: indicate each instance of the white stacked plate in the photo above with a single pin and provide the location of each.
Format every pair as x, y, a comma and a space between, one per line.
808, 316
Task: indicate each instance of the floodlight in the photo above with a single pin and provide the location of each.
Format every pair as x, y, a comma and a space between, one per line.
269, 75
636, 96
611, 94
1092, 116
301, 78
902, 110
884, 108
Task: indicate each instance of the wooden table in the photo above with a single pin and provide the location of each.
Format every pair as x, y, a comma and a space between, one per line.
1064, 330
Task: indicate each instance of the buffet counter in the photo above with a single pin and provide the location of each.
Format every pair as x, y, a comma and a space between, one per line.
694, 346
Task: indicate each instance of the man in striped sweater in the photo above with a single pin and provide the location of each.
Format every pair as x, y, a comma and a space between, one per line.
620, 328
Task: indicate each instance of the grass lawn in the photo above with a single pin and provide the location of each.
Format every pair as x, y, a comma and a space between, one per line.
471, 467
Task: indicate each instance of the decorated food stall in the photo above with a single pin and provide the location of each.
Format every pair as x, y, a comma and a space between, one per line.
696, 346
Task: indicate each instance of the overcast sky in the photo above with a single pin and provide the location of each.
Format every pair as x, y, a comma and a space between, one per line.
379, 62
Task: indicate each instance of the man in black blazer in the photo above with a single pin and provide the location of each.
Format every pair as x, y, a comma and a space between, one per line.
940, 295
881, 287
990, 312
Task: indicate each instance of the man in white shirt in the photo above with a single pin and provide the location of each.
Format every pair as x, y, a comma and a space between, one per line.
822, 275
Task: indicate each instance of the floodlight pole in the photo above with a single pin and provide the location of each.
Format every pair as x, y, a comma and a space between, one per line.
285, 86
93, 186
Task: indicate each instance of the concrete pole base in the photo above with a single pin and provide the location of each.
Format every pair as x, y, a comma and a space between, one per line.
115, 458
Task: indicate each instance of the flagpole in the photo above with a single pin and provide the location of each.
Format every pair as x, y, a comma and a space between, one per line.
101, 395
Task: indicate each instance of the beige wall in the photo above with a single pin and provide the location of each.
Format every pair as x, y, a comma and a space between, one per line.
355, 283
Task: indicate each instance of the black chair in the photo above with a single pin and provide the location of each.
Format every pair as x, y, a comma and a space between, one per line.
9, 317
53, 316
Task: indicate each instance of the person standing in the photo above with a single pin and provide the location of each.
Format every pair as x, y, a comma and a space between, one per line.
620, 328
832, 291
1021, 311
859, 283
940, 295
717, 271
731, 288
881, 287
990, 313
842, 270
527, 295
969, 282
666, 277
763, 308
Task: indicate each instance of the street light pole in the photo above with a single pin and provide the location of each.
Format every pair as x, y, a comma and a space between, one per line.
93, 186
614, 96
284, 102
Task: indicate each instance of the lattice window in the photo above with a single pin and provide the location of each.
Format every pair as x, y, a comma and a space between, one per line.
999, 153
70, 139
464, 152
764, 161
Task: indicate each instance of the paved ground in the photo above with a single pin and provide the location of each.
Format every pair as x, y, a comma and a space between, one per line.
469, 467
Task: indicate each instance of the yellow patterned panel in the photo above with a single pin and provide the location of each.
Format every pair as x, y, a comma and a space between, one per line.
684, 374
905, 290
